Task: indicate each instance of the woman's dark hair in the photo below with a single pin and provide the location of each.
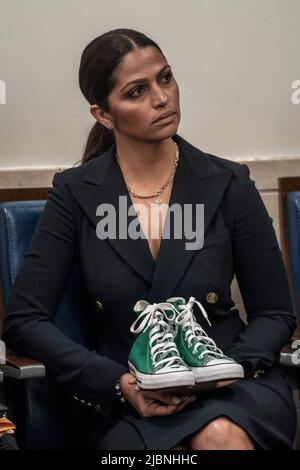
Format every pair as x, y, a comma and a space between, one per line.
98, 62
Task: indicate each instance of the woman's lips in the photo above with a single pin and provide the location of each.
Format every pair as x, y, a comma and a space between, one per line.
165, 120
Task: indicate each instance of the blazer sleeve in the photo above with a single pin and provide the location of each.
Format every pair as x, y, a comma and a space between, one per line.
34, 299
262, 280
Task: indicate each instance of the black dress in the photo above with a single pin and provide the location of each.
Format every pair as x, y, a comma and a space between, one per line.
239, 239
263, 407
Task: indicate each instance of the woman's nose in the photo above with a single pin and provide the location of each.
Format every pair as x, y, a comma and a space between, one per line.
159, 97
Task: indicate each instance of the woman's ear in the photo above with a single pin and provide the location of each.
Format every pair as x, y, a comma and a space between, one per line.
101, 116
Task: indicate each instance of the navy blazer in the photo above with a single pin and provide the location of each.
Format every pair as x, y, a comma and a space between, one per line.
239, 238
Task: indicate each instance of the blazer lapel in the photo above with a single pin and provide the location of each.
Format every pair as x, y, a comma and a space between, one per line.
197, 180
103, 184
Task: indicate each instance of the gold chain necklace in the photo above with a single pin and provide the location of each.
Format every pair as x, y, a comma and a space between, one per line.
162, 188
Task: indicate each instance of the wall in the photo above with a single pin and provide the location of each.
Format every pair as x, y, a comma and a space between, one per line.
235, 61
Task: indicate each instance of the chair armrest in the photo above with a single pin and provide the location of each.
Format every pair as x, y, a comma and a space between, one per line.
19, 367
290, 354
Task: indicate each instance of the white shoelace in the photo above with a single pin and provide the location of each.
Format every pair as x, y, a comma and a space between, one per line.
194, 330
161, 332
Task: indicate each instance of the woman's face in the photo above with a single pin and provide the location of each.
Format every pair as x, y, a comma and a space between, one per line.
134, 106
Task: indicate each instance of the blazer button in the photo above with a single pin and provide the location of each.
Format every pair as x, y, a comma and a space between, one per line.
99, 304
258, 372
212, 298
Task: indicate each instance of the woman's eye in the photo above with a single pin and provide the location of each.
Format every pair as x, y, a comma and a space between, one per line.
168, 75
132, 95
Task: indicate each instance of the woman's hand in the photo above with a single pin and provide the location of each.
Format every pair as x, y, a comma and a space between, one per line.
204, 386
151, 402
225, 382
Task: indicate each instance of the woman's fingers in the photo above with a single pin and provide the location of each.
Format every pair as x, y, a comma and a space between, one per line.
162, 397
186, 403
132, 381
225, 382
161, 403
159, 409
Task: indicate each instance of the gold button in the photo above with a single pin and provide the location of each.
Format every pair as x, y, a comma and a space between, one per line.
258, 373
212, 298
99, 304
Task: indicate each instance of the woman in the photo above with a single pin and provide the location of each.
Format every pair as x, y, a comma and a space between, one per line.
129, 84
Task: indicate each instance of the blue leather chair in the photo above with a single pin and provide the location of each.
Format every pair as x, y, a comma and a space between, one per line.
293, 241
293, 218
43, 416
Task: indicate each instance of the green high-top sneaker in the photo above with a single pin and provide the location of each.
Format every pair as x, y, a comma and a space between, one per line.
199, 352
154, 359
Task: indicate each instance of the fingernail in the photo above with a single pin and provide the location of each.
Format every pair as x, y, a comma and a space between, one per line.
176, 400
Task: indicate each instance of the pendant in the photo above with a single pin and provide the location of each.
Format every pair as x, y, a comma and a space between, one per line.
157, 201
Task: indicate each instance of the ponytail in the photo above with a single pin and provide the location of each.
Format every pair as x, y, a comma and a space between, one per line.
99, 140
99, 61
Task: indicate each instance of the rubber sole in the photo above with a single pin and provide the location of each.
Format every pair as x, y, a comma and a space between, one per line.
218, 372
163, 380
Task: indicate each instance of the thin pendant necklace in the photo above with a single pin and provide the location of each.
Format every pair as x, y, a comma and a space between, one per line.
161, 189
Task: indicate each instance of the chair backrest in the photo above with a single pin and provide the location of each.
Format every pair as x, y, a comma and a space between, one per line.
41, 406
293, 222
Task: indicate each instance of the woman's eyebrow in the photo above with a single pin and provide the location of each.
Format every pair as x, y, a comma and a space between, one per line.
139, 80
